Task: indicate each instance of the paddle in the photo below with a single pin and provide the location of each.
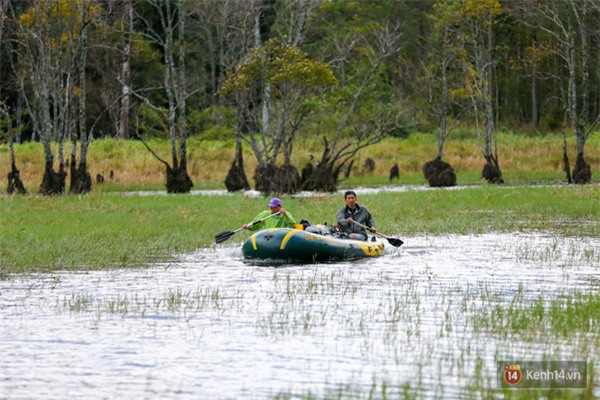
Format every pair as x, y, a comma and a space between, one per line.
223, 236
393, 241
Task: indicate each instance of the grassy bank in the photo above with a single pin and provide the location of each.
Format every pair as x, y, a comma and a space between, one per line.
107, 230
523, 159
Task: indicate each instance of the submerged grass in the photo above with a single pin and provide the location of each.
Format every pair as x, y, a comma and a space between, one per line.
319, 302
562, 316
107, 230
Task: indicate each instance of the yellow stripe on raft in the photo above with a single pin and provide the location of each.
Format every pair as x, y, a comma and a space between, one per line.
287, 237
370, 249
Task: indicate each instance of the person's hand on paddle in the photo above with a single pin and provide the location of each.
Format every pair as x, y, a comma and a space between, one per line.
371, 229
223, 236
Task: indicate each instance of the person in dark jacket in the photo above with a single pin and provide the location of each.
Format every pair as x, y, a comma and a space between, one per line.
354, 212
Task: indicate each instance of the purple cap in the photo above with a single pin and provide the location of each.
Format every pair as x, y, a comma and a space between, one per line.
274, 202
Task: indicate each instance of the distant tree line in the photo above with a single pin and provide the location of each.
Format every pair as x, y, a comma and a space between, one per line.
266, 73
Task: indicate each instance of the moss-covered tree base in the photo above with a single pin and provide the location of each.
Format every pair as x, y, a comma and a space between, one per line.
236, 179
288, 179
322, 179
53, 183
178, 180
14, 182
265, 179
439, 173
491, 172
81, 180
306, 173
582, 173
284, 179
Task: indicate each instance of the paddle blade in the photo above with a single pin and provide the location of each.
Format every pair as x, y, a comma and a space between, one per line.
395, 242
223, 236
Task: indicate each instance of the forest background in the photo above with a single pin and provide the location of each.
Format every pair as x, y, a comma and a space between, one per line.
295, 93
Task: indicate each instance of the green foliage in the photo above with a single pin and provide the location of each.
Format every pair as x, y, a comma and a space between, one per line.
152, 124
146, 63
3, 131
327, 54
110, 230
284, 67
212, 123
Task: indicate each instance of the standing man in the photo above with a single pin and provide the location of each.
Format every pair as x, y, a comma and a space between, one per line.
354, 212
283, 220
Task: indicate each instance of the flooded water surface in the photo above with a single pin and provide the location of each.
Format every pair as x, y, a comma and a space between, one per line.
431, 319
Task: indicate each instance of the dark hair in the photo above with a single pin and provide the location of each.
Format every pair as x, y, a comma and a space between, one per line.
348, 193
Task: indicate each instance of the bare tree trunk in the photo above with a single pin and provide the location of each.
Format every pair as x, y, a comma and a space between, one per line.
236, 176
53, 183
14, 180
566, 165
81, 180
491, 171
183, 183
126, 74
573, 25
535, 116
582, 173
178, 180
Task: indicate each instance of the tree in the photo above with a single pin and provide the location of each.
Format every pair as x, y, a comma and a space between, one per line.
291, 80
84, 14
228, 33
14, 178
126, 71
437, 85
474, 39
45, 75
169, 36
574, 36
362, 111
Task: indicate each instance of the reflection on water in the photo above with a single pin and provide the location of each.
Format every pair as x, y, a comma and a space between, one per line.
210, 326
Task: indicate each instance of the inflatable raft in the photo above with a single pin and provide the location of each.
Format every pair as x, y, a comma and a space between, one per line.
294, 245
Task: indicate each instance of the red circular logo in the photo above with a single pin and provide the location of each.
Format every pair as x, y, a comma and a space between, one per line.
512, 374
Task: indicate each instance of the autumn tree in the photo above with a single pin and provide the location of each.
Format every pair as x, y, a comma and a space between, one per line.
44, 70
292, 80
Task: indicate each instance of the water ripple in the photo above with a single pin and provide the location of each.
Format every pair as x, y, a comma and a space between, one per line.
211, 326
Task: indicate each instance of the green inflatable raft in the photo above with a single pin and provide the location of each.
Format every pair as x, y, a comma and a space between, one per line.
294, 245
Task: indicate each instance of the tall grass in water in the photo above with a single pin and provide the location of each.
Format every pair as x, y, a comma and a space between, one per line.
301, 305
